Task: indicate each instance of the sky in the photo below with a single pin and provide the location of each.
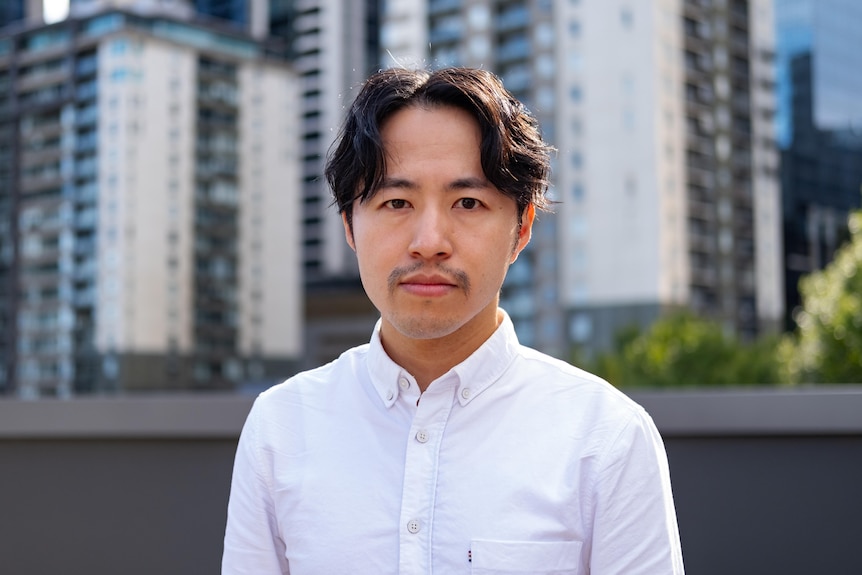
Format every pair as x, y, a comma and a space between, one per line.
55, 10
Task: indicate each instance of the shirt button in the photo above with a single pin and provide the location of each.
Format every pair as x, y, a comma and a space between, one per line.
404, 383
465, 393
413, 526
422, 436
389, 395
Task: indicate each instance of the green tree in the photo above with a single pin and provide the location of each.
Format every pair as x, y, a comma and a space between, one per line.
827, 346
682, 350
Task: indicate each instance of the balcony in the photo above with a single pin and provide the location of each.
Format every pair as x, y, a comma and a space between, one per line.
703, 276
42, 79
445, 35
439, 6
516, 48
513, 18
86, 220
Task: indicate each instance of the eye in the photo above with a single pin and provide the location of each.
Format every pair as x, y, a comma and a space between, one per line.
396, 204
468, 203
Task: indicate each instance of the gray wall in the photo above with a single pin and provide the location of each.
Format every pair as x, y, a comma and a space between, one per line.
765, 481
116, 486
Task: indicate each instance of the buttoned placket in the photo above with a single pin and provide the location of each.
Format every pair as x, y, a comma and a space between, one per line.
420, 477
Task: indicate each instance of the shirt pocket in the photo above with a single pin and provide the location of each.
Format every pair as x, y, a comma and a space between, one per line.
534, 557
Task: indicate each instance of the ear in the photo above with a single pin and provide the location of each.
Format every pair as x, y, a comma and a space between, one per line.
525, 232
348, 232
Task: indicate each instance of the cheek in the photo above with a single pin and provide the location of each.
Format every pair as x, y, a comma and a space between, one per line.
373, 253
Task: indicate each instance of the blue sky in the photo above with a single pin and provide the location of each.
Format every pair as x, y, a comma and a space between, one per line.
55, 10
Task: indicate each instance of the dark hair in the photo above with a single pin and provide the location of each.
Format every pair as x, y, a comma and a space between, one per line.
514, 157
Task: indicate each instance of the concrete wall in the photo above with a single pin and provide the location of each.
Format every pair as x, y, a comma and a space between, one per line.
109, 486
765, 481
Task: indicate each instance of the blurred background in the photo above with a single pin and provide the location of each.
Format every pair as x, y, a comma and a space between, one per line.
164, 224
165, 229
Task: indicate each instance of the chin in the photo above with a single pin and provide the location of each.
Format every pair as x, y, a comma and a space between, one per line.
419, 328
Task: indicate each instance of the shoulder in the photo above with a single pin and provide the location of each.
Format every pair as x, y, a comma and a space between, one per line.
567, 382
583, 404
287, 416
315, 386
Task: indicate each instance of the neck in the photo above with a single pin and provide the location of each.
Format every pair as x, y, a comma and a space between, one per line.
428, 359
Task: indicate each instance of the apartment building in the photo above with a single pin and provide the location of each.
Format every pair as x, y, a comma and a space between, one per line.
149, 205
334, 48
666, 171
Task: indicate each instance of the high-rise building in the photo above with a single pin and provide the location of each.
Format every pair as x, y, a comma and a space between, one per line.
819, 120
666, 172
732, 198
149, 206
11, 11
333, 45
20, 12
253, 16
233, 11
334, 48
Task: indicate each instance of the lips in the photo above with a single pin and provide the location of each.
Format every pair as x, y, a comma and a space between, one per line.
423, 279
428, 285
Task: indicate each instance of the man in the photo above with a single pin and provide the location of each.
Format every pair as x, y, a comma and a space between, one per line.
443, 445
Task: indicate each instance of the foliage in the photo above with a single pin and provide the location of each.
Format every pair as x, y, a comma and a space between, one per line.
681, 350
827, 347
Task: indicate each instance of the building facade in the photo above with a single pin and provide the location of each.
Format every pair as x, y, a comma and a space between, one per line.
666, 176
149, 206
819, 122
334, 48
20, 12
12, 11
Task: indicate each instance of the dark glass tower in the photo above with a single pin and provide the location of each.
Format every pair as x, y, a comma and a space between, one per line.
819, 122
234, 11
11, 11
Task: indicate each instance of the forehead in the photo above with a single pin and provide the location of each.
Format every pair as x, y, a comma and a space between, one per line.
429, 120
442, 133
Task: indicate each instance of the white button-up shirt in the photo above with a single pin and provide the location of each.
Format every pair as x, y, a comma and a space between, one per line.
512, 462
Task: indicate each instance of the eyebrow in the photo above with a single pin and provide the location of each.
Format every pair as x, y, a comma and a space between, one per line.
468, 183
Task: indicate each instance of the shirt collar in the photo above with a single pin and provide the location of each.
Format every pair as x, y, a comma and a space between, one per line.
474, 375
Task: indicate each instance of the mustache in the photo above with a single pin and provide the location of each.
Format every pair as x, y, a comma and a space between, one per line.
458, 276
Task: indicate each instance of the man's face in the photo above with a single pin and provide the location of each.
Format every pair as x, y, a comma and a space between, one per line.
435, 242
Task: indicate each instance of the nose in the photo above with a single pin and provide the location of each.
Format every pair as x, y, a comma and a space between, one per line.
431, 237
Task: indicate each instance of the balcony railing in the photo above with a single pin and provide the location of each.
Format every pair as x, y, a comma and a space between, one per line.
101, 478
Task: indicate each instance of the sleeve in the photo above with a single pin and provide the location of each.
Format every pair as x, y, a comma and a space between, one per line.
252, 543
635, 529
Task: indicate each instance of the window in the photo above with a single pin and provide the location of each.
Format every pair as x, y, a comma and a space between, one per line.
629, 119
50, 38
626, 17
578, 192
544, 35
479, 17
575, 62
545, 66
581, 327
